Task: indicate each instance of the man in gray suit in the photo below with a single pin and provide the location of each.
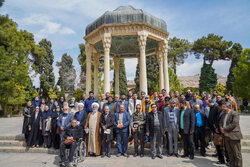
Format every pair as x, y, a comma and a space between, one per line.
230, 127
171, 124
187, 123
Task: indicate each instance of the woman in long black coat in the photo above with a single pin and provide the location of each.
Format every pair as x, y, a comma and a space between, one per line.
35, 127
54, 132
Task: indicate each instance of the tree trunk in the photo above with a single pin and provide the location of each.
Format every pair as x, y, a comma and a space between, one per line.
174, 65
5, 109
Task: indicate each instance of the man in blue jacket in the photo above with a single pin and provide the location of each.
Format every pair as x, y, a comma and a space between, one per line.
124, 102
89, 101
122, 121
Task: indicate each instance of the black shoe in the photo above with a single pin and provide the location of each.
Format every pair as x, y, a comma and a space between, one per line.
170, 155
177, 155
203, 154
184, 156
153, 157
219, 162
103, 155
142, 155
108, 155
135, 155
160, 156
191, 157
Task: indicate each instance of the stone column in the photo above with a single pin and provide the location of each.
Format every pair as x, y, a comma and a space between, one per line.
161, 74
117, 66
142, 39
88, 50
96, 58
164, 49
106, 41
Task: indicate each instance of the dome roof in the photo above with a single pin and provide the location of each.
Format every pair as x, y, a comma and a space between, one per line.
126, 14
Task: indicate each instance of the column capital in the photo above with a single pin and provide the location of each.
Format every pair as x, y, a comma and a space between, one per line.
142, 39
106, 40
163, 46
116, 59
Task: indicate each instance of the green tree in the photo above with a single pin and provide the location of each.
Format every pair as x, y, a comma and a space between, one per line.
174, 83
220, 89
236, 52
208, 79
82, 62
78, 94
241, 85
15, 47
67, 73
178, 51
1, 2
122, 78
44, 67
212, 48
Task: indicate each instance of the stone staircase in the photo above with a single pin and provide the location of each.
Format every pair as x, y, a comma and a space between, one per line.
16, 144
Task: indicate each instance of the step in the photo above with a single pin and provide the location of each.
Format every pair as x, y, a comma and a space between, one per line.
16, 149
12, 137
12, 143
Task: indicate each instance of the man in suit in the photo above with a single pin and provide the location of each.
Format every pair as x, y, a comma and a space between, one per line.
230, 127
124, 102
187, 123
155, 130
194, 101
107, 123
81, 117
64, 121
122, 121
171, 124
200, 126
74, 133
133, 103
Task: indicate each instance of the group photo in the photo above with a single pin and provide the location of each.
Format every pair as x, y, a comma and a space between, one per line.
115, 83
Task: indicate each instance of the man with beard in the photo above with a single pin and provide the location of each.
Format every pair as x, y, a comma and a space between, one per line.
124, 102
27, 112
107, 123
230, 127
187, 123
188, 96
89, 101
111, 105
92, 129
81, 117
35, 127
160, 103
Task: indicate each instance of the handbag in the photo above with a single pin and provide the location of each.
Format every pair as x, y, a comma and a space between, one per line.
218, 139
68, 141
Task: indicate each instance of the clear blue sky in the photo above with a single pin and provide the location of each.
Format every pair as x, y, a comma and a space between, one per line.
63, 22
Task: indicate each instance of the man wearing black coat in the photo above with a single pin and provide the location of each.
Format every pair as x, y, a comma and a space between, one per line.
107, 124
73, 132
81, 117
187, 123
155, 129
27, 112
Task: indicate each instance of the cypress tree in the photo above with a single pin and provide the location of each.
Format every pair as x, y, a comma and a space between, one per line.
208, 78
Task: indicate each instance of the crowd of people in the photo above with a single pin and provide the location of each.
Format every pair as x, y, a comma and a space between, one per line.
161, 119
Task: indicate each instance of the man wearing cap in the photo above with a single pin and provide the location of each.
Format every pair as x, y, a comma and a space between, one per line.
93, 131
171, 124
89, 101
